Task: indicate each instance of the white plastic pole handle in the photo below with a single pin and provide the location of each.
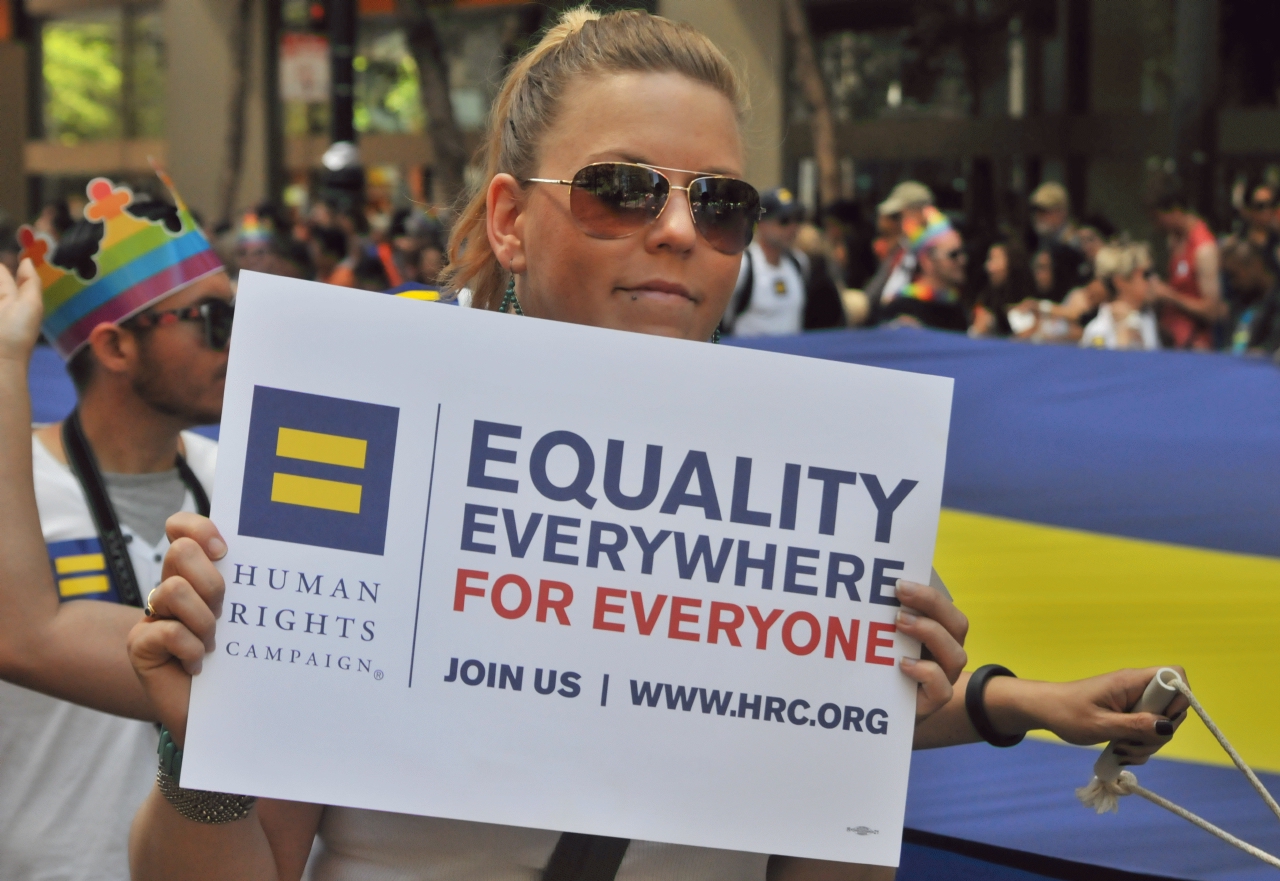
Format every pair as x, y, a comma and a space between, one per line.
1155, 699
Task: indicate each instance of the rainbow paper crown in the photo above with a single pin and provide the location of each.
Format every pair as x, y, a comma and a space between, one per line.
921, 233
254, 229
137, 262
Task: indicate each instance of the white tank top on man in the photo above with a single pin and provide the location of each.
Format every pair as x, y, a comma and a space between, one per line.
777, 296
72, 778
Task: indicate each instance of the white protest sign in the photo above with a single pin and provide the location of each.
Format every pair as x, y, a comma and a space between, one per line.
500, 569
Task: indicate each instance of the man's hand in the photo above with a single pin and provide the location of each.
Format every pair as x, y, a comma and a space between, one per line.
21, 311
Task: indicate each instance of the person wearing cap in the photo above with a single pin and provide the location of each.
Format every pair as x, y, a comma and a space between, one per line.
138, 305
904, 208
932, 298
769, 299
1051, 219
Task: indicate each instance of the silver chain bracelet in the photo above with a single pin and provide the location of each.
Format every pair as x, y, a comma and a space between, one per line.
202, 806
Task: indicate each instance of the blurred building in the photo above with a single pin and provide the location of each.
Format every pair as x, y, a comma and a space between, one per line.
985, 99
232, 95
981, 99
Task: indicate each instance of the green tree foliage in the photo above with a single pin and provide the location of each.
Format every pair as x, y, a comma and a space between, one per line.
387, 98
82, 79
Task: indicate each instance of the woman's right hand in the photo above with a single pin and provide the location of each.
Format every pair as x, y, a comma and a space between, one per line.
168, 647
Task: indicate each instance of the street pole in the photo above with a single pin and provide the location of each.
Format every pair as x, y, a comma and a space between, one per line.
275, 110
1195, 95
342, 47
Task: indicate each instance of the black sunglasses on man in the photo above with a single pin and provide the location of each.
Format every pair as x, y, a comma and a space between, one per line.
216, 316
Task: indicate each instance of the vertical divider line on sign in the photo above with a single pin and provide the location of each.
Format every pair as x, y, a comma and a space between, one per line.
422, 562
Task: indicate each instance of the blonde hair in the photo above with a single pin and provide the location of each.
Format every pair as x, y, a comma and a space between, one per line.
1121, 259
583, 42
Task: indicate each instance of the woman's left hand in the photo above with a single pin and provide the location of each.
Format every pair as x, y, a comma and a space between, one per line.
1087, 711
929, 616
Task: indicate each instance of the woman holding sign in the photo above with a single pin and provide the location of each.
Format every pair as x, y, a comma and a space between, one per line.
614, 199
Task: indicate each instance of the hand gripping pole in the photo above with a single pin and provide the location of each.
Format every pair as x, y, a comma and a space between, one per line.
1110, 781
1103, 792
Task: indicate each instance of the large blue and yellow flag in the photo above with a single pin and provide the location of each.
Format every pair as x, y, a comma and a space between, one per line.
1104, 510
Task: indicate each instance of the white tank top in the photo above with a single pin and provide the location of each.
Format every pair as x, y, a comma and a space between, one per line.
72, 778
358, 845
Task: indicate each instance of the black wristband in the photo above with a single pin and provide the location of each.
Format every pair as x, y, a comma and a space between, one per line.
977, 708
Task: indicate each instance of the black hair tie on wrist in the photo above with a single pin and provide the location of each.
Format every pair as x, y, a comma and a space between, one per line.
976, 707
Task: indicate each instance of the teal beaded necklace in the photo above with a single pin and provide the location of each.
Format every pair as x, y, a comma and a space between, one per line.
511, 304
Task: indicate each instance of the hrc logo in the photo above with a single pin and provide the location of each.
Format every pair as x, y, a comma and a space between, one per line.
317, 470
80, 570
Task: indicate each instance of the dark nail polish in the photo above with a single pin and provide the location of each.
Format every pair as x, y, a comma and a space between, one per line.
1164, 728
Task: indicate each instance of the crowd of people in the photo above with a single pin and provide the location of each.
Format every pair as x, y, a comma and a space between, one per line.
1078, 282
334, 239
109, 597
1063, 281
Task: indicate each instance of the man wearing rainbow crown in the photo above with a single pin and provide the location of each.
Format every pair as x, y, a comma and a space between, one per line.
139, 306
932, 299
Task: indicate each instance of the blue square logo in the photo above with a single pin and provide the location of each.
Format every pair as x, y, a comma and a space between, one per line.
318, 470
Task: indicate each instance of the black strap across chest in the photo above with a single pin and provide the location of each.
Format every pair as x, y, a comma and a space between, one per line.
579, 857
115, 549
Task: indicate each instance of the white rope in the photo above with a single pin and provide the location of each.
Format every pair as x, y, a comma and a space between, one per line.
1177, 683
1130, 784
1104, 796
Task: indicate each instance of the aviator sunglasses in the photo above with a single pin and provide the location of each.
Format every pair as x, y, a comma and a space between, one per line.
612, 200
215, 314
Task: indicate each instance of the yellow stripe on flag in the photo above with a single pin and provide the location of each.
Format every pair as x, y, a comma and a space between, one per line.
313, 446
312, 492
84, 584
1062, 604
79, 563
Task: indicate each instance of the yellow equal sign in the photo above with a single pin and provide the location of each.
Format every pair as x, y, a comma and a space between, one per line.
327, 449
78, 584
80, 563
83, 584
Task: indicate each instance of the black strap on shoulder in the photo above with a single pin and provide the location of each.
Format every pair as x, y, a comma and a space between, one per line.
189, 479
115, 549
579, 857
741, 300
791, 257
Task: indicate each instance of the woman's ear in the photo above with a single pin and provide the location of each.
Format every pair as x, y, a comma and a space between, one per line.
504, 213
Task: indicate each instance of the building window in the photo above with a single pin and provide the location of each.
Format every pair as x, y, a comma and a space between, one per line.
103, 75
